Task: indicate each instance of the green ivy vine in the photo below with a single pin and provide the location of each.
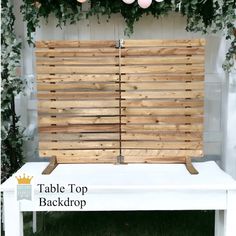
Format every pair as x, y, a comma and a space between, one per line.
206, 16
12, 84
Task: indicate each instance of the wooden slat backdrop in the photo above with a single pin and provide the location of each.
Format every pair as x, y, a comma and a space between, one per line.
162, 86
78, 92
144, 101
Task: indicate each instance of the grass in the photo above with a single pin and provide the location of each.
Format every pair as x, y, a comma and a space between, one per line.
146, 223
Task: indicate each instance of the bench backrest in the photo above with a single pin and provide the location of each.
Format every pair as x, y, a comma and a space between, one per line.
142, 100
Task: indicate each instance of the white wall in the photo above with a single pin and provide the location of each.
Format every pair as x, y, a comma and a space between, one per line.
229, 140
170, 27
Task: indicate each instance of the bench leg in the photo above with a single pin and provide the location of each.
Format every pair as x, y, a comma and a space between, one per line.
34, 223
219, 223
13, 217
230, 214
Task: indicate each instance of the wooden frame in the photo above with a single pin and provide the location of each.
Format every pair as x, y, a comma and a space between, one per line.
138, 101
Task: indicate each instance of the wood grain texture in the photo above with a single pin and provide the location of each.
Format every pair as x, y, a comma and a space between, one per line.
162, 94
160, 103
166, 42
162, 153
78, 104
67, 78
164, 51
80, 128
78, 61
44, 121
162, 128
81, 111
167, 136
84, 155
162, 119
78, 87
78, 70
162, 69
162, 86
169, 60
163, 91
77, 145
91, 95
158, 77
161, 111
144, 101
161, 145
75, 44
79, 136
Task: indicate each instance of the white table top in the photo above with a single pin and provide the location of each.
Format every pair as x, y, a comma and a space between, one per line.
131, 176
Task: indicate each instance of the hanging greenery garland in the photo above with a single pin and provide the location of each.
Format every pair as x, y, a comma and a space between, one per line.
206, 16
12, 84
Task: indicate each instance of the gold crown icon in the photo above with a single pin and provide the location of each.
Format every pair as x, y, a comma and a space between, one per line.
24, 179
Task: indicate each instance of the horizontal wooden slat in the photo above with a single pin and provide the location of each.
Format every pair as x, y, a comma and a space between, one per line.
157, 77
100, 159
167, 69
156, 51
77, 104
164, 42
77, 52
77, 69
161, 153
80, 128
78, 136
75, 44
161, 136
160, 145
161, 120
162, 86
82, 61
79, 153
65, 78
162, 111
162, 103
124, 111
46, 121
82, 156
163, 128
78, 95
81, 111
78, 86
79, 145
162, 60
162, 94
152, 159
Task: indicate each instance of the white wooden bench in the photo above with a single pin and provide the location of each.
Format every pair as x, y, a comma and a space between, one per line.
127, 188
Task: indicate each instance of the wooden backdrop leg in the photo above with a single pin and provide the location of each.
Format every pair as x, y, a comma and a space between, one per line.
190, 166
51, 166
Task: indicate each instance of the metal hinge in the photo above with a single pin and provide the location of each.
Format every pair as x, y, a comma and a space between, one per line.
120, 160
120, 43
